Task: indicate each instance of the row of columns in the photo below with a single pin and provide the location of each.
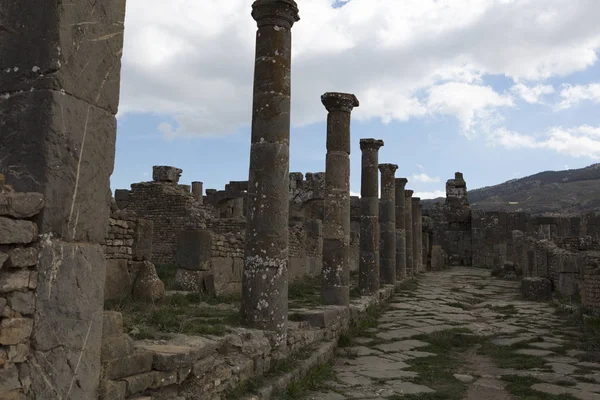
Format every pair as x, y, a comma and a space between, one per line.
393, 218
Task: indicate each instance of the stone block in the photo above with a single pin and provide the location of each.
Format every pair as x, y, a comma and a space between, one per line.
148, 285
21, 205
12, 281
137, 363
3, 259
22, 257
118, 281
172, 357
18, 353
163, 173
112, 324
117, 347
22, 302
9, 379
142, 244
113, 390
194, 247
15, 330
17, 231
69, 159
325, 317
139, 383
536, 288
69, 304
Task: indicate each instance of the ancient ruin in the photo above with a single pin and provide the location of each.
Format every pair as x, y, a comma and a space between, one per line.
172, 291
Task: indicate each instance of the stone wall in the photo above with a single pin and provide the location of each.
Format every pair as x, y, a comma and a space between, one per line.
18, 282
171, 207
128, 252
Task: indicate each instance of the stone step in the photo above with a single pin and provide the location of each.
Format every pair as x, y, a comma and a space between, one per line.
139, 362
117, 347
169, 357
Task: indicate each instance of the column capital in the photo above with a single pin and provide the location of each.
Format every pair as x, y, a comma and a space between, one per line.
401, 182
370, 144
416, 200
275, 12
335, 101
388, 168
408, 193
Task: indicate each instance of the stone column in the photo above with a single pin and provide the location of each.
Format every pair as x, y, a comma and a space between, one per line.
400, 230
368, 269
409, 232
387, 224
197, 191
59, 95
421, 240
336, 215
265, 279
416, 237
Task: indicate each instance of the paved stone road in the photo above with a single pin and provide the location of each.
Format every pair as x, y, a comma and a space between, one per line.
377, 367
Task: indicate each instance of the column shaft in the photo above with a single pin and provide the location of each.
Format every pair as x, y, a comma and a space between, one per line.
336, 215
416, 237
265, 278
368, 274
400, 231
409, 232
387, 222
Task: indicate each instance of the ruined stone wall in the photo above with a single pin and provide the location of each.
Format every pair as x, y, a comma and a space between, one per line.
18, 283
171, 207
492, 236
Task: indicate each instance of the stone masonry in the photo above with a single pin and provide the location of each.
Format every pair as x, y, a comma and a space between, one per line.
336, 215
408, 221
368, 273
265, 279
400, 229
60, 91
387, 224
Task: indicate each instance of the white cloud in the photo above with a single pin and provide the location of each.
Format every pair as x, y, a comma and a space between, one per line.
193, 61
582, 141
573, 95
471, 104
424, 178
532, 94
430, 195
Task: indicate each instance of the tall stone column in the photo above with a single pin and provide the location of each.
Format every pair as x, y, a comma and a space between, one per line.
265, 278
421, 240
336, 215
408, 223
59, 93
387, 224
400, 230
417, 237
368, 269
197, 191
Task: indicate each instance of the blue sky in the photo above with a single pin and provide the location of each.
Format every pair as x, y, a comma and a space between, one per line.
445, 93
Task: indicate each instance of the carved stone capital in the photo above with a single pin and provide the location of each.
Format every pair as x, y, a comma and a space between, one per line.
388, 169
334, 101
282, 13
370, 144
401, 182
408, 193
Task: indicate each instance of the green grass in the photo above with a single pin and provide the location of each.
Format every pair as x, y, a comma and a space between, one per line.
166, 273
188, 314
520, 387
305, 292
244, 388
361, 327
315, 380
505, 356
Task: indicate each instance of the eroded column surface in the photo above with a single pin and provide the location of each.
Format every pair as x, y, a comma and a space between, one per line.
264, 283
368, 269
59, 92
420, 240
387, 224
409, 232
400, 229
416, 237
197, 191
336, 216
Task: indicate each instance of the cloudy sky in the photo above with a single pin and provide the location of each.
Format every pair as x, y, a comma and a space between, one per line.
497, 89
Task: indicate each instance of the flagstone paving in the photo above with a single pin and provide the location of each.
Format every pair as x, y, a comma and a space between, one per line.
462, 334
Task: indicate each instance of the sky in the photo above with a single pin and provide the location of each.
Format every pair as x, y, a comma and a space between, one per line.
496, 89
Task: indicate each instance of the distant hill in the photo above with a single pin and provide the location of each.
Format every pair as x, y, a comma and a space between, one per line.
551, 192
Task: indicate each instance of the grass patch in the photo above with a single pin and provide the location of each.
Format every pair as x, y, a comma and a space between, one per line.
315, 380
520, 387
505, 357
437, 372
188, 314
305, 292
361, 327
408, 285
166, 273
244, 388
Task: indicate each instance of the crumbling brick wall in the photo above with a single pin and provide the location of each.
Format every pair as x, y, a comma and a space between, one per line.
19, 250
